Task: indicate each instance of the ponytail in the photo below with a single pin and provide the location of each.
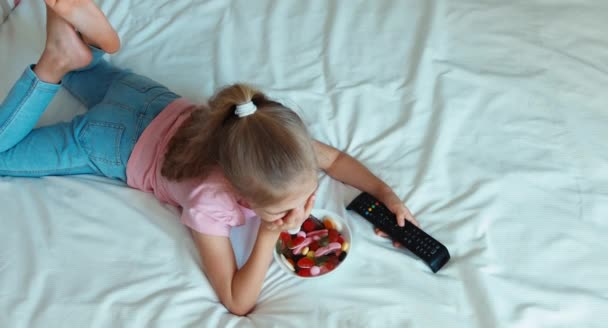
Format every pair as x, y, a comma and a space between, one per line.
260, 154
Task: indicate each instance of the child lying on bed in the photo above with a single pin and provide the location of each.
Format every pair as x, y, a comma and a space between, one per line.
240, 156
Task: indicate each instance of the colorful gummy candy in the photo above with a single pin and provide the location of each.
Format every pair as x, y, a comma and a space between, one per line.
314, 250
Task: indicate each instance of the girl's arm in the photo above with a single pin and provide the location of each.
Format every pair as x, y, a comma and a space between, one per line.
343, 167
238, 289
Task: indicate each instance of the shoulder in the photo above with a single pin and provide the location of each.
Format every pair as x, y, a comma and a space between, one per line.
211, 206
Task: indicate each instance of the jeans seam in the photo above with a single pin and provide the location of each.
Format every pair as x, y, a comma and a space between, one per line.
64, 170
44, 88
117, 104
142, 115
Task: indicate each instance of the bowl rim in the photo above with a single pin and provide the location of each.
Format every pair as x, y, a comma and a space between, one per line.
319, 213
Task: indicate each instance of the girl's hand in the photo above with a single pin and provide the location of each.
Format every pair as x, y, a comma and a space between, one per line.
293, 219
395, 205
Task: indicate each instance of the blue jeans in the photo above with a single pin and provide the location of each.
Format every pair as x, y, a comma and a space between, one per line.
120, 106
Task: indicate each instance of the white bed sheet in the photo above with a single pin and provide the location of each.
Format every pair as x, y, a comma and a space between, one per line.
488, 118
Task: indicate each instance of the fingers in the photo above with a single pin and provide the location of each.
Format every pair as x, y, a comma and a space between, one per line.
401, 218
380, 233
402, 214
295, 218
309, 205
288, 220
384, 235
410, 217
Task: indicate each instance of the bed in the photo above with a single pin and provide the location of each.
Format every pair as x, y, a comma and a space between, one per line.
488, 118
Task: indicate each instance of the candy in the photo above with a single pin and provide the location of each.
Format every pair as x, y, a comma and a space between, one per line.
328, 223
310, 254
324, 269
301, 234
314, 245
324, 241
318, 223
331, 247
329, 266
333, 235
315, 270
305, 250
285, 237
320, 233
296, 242
306, 262
342, 256
319, 261
345, 246
333, 260
298, 249
304, 273
308, 225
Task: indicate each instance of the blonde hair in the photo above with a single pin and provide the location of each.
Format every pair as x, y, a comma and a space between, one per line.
261, 154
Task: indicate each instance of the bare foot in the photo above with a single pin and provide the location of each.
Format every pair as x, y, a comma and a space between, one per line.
89, 21
64, 50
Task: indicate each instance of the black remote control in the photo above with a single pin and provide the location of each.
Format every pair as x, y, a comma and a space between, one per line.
427, 248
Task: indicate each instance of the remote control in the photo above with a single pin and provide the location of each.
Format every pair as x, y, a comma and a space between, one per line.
427, 248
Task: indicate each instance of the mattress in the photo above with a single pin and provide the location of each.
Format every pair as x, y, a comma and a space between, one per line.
488, 119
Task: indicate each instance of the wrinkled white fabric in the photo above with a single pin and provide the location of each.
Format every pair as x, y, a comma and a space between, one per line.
488, 118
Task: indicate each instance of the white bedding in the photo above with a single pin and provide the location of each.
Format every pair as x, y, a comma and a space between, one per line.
487, 117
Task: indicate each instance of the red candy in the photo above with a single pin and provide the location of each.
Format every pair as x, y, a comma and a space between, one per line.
296, 242
306, 263
333, 235
285, 237
308, 225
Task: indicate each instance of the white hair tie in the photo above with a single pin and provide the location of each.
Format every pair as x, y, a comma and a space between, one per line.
245, 109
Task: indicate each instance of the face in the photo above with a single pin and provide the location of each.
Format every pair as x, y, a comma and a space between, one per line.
294, 201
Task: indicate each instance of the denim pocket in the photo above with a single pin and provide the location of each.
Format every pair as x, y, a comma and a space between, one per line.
101, 141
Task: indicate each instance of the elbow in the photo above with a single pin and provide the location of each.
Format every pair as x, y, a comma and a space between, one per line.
237, 307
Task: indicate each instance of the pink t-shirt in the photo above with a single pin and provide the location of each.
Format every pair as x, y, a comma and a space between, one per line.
209, 206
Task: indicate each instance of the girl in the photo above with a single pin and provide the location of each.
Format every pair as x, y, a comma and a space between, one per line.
240, 156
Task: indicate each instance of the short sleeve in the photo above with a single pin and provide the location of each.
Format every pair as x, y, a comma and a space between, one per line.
212, 213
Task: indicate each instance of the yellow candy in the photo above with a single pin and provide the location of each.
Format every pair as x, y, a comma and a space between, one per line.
329, 223
305, 250
310, 254
345, 246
